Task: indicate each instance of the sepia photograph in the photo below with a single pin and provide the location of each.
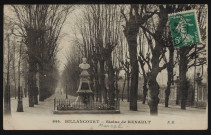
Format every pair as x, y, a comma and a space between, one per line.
105, 67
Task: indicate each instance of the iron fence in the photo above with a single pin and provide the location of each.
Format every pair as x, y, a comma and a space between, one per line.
67, 104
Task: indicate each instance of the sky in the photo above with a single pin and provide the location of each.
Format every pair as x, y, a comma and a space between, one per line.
68, 31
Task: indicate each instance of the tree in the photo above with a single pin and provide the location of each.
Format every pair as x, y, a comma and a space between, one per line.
143, 60
126, 67
131, 29
8, 29
20, 103
189, 54
99, 32
27, 28
158, 50
40, 27
170, 66
70, 74
14, 67
54, 20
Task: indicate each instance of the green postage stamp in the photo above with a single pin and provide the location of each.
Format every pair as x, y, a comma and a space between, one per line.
184, 28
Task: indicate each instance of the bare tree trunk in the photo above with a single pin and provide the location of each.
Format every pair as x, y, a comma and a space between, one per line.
178, 94
42, 82
182, 76
130, 32
7, 108
111, 80
170, 75
15, 89
36, 95
145, 80
128, 87
96, 78
132, 42
167, 92
102, 82
13, 66
25, 78
157, 52
117, 86
153, 99
35, 90
97, 88
124, 87
144, 91
20, 103
153, 93
31, 81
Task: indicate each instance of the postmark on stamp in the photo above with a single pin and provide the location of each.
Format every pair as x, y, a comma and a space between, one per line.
184, 28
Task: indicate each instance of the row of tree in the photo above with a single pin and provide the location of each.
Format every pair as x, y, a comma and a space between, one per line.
98, 34
38, 27
122, 37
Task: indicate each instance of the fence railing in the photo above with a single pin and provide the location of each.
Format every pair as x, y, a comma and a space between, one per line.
67, 104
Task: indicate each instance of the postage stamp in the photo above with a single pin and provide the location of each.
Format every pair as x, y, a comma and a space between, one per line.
184, 28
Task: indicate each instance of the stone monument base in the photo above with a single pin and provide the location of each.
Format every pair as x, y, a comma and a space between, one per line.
80, 98
84, 101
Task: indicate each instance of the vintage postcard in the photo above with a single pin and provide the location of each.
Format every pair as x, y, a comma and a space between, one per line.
105, 67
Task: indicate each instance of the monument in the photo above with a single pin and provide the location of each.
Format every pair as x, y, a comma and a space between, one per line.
85, 94
84, 102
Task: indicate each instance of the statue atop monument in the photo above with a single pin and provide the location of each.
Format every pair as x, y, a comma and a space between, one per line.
84, 91
84, 66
